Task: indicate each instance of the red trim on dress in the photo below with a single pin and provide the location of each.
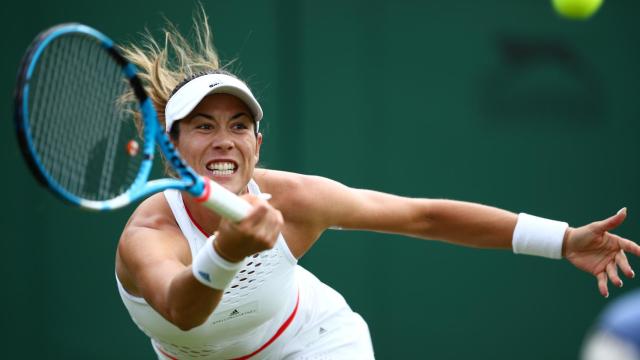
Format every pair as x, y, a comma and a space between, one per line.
193, 221
275, 336
282, 328
202, 198
164, 353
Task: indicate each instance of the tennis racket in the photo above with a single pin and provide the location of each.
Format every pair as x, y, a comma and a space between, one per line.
79, 136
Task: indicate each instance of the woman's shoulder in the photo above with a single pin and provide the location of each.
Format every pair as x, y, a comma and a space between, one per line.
272, 181
153, 213
151, 233
296, 195
277, 181
290, 186
152, 224
269, 179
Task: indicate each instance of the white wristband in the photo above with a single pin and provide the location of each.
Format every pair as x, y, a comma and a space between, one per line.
538, 236
211, 269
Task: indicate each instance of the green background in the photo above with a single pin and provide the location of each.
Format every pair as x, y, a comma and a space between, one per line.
497, 102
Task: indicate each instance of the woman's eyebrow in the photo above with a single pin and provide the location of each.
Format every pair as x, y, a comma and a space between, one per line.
211, 117
203, 115
239, 115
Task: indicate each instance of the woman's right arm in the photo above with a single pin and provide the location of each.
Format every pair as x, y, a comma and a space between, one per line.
153, 262
154, 259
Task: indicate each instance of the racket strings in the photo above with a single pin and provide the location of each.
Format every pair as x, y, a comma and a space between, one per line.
79, 128
52, 77
109, 127
71, 177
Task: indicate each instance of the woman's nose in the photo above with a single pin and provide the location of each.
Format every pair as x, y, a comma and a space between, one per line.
223, 144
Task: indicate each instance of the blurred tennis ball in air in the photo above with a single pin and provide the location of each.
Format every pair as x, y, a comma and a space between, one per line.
576, 9
132, 148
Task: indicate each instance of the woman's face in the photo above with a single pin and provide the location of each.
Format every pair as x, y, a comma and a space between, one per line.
218, 140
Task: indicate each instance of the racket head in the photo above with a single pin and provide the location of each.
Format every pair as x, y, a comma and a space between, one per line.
78, 133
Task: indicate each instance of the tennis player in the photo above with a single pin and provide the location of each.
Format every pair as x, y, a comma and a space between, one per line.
202, 287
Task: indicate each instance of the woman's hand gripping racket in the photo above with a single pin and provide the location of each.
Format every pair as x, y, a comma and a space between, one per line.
78, 135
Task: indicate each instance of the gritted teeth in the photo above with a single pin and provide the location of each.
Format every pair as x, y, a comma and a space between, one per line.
222, 167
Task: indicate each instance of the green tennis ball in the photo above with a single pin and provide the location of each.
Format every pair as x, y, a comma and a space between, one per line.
576, 9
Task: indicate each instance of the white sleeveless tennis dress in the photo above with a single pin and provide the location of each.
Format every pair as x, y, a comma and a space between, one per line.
273, 309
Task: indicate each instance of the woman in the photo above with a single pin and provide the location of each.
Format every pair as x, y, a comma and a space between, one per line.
203, 287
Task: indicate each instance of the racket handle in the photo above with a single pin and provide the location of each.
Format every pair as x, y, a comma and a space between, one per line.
224, 202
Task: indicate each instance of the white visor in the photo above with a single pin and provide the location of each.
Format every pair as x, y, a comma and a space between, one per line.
191, 93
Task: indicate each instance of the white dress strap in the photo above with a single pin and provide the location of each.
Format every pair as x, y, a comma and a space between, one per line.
193, 235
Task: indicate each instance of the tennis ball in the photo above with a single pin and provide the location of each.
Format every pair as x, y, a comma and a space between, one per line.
576, 9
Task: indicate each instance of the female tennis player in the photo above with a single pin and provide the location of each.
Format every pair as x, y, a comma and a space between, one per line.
202, 287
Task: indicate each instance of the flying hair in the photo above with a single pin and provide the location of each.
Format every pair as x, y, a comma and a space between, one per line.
164, 66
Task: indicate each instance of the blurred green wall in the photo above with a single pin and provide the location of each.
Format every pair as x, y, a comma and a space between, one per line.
498, 102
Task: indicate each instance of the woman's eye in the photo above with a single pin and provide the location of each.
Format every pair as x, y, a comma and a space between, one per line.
240, 126
204, 126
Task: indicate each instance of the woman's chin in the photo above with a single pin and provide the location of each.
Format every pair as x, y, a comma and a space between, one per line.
232, 183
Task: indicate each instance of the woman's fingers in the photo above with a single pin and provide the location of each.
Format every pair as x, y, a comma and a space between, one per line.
628, 245
602, 284
611, 222
623, 264
612, 273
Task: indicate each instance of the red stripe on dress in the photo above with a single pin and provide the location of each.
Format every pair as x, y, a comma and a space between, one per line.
282, 328
207, 190
275, 336
164, 353
195, 223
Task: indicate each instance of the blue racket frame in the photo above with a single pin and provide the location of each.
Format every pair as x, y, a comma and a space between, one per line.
187, 180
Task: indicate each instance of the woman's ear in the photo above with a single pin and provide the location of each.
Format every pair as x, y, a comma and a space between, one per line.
258, 144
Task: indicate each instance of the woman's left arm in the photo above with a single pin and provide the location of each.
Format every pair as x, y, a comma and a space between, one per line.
458, 222
591, 248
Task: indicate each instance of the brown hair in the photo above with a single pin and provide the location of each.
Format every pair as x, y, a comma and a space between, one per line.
162, 67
